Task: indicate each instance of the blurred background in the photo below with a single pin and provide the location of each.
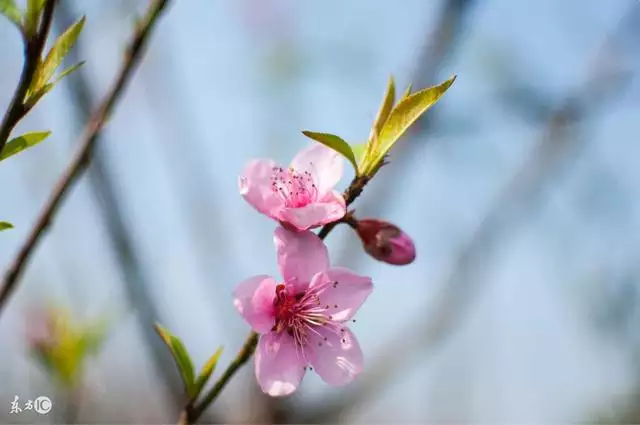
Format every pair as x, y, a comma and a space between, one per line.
521, 189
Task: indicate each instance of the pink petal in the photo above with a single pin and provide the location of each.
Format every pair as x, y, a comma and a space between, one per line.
253, 299
317, 214
279, 366
335, 356
300, 255
344, 298
324, 164
255, 187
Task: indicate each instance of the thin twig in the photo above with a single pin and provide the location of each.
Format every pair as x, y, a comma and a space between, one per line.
82, 158
33, 48
190, 415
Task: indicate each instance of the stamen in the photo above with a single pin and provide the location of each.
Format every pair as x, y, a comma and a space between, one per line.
302, 315
294, 188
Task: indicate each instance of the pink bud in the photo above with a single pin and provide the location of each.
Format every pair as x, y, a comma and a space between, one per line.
386, 242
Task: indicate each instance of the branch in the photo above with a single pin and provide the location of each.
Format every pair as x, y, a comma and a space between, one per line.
82, 158
33, 48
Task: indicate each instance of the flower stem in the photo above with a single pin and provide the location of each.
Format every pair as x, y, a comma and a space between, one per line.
190, 415
353, 191
242, 357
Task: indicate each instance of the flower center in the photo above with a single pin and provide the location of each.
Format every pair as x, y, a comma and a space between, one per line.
300, 313
296, 189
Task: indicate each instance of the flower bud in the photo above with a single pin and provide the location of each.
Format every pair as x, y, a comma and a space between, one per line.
385, 242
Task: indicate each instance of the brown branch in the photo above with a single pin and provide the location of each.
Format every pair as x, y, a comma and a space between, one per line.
33, 48
82, 157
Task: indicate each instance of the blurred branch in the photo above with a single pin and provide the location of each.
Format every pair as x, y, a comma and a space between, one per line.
440, 45
534, 103
33, 47
517, 200
82, 158
136, 283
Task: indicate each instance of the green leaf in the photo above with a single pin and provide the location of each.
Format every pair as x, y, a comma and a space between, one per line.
405, 113
23, 142
381, 119
33, 98
5, 226
32, 16
359, 151
407, 92
336, 143
92, 338
181, 357
58, 51
387, 105
9, 9
66, 72
206, 372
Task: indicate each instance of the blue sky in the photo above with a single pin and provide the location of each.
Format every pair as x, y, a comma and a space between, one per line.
206, 102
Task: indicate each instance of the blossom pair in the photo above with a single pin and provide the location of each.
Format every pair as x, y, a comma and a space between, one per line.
301, 319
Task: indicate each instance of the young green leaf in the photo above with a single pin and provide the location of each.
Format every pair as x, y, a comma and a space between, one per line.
33, 98
92, 338
407, 92
405, 113
66, 72
5, 226
358, 152
32, 16
206, 372
58, 51
335, 143
23, 142
386, 107
381, 119
181, 358
9, 9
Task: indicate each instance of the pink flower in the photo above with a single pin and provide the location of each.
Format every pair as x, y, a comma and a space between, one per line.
301, 197
302, 320
386, 242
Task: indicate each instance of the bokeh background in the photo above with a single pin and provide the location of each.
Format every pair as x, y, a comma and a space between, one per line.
521, 189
